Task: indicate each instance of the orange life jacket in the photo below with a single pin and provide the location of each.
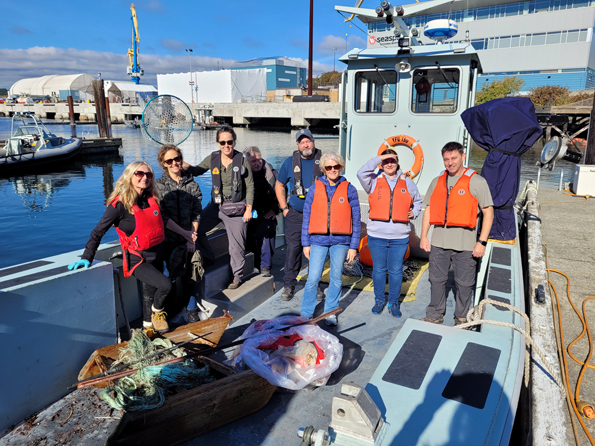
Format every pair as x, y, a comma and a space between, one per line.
334, 217
385, 206
149, 232
456, 207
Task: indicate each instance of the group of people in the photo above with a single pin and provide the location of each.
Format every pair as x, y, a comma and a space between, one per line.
157, 219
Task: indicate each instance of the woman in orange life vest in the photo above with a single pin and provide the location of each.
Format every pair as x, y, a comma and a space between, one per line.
330, 230
394, 200
133, 208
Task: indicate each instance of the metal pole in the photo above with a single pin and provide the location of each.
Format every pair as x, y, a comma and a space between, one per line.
71, 113
538, 177
189, 51
561, 178
310, 48
334, 51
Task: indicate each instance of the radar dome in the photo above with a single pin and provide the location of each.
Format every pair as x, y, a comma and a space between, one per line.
441, 30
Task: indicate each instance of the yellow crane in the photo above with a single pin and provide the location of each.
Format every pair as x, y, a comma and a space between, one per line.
134, 69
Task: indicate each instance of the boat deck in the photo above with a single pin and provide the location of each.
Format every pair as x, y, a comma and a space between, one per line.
365, 338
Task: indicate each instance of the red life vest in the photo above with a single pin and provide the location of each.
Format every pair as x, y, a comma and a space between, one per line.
385, 206
149, 232
456, 207
334, 217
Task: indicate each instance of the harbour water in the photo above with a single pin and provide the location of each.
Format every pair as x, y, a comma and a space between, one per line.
53, 211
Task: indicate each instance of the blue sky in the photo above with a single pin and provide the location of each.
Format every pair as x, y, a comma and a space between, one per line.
63, 37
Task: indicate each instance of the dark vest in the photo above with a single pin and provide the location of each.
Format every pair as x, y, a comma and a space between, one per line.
237, 185
298, 185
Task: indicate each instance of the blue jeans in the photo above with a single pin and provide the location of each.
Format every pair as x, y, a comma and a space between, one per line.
317, 258
387, 255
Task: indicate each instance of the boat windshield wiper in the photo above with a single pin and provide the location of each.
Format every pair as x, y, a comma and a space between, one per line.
444, 75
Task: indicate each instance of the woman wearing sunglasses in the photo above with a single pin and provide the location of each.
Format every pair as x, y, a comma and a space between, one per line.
394, 200
329, 229
232, 197
180, 201
133, 208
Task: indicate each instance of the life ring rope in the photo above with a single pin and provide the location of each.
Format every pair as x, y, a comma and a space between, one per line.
413, 144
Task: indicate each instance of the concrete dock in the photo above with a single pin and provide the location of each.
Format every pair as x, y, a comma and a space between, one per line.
562, 236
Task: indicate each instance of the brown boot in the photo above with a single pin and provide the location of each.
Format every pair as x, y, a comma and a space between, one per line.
159, 322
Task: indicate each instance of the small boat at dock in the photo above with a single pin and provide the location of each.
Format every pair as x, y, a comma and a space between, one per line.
32, 144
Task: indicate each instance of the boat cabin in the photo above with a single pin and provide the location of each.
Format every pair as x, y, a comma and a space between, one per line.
397, 86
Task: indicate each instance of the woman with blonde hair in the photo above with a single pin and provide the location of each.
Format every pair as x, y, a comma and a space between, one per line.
331, 226
133, 208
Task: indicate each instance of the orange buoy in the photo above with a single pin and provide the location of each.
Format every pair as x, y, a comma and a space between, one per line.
366, 256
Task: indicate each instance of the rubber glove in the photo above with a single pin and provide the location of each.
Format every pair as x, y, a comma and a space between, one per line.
79, 264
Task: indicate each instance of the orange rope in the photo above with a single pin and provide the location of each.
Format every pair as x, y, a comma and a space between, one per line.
586, 363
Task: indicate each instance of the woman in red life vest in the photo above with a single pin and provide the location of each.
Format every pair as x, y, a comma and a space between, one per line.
394, 200
133, 209
331, 225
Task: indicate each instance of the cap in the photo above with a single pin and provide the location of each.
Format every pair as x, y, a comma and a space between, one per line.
303, 132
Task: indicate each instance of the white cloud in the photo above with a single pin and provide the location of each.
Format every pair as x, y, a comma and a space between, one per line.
39, 61
326, 45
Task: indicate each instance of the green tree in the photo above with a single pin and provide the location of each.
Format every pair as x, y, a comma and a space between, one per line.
509, 86
551, 95
328, 78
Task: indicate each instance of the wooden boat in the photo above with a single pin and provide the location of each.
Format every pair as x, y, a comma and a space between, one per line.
193, 412
209, 332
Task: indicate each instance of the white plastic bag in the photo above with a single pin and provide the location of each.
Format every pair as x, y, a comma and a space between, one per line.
292, 367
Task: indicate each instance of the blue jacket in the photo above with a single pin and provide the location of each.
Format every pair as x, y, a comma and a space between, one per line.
328, 240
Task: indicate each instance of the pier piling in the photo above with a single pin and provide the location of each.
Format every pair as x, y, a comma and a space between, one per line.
108, 118
71, 114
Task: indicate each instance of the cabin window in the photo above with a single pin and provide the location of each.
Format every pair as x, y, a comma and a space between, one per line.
376, 91
435, 90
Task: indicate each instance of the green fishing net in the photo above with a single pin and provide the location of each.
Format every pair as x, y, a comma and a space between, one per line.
148, 387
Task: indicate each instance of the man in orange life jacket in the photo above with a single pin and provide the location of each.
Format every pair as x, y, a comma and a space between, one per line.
453, 202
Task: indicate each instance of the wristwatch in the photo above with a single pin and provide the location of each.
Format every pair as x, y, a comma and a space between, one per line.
284, 209
484, 243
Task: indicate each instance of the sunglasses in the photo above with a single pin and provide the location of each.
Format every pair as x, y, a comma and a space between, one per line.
169, 162
140, 174
229, 143
390, 161
335, 167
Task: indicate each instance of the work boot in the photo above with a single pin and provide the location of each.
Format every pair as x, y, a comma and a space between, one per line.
433, 321
287, 294
319, 295
158, 318
266, 272
378, 306
394, 309
234, 285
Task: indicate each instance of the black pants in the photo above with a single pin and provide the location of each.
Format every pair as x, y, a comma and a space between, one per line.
157, 285
293, 238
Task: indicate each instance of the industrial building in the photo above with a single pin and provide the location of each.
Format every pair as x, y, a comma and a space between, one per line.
544, 42
55, 86
281, 72
223, 86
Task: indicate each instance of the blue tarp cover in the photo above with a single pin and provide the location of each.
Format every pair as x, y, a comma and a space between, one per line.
506, 128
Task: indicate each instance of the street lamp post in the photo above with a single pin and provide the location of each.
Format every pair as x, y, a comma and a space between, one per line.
334, 51
189, 51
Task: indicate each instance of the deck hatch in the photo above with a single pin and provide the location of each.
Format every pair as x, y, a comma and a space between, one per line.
500, 299
24, 267
501, 256
499, 280
472, 378
411, 364
33, 277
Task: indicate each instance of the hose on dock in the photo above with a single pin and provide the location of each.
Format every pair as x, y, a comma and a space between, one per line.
579, 407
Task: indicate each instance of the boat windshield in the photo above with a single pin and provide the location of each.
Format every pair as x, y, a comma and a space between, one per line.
376, 91
435, 90
26, 130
